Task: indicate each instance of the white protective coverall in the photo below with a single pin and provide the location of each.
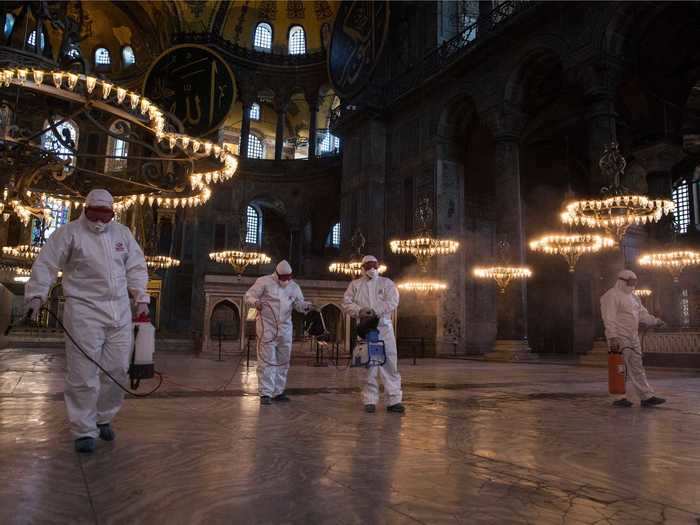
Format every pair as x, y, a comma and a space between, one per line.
274, 329
99, 268
622, 311
381, 295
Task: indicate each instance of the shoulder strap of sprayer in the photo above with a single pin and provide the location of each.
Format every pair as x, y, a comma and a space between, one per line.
134, 382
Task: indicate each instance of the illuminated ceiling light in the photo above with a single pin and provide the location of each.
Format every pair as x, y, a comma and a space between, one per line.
240, 259
424, 247
90, 83
352, 269
503, 275
673, 261
642, 292
617, 210
161, 262
571, 246
22, 251
422, 286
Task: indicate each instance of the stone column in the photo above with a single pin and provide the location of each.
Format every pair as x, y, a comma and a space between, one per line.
506, 124
281, 103
313, 115
245, 130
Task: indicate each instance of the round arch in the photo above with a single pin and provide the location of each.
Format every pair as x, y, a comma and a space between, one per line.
225, 319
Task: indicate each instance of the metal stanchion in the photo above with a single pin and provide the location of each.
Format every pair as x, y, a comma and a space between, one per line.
219, 330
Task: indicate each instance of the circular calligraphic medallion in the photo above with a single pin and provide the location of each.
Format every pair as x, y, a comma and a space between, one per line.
359, 33
194, 84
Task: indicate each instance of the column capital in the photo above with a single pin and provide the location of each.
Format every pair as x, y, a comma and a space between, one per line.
599, 79
505, 122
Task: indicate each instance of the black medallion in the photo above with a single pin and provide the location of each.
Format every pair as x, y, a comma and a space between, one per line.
195, 85
359, 33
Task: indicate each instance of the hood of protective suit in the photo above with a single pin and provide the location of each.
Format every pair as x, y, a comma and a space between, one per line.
372, 273
622, 285
99, 199
283, 268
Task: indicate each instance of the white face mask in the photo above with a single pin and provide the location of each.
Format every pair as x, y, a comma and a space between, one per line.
97, 227
372, 273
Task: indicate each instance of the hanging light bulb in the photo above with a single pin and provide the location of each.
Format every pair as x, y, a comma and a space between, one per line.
145, 104
185, 140
38, 75
172, 141
72, 80
121, 95
22, 75
90, 83
57, 78
195, 146
106, 89
207, 147
134, 99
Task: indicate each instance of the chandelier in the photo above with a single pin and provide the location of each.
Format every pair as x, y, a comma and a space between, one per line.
170, 180
642, 292
424, 247
19, 274
422, 286
22, 251
239, 259
352, 269
503, 275
571, 246
161, 262
674, 261
618, 209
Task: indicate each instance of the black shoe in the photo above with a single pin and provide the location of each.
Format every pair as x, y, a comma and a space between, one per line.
622, 403
371, 409
281, 397
265, 400
85, 445
106, 432
398, 408
653, 401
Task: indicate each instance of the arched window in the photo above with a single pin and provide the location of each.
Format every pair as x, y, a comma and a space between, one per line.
330, 144
334, 236
681, 198
297, 41
9, 24
69, 133
128, 57
256, 149
253, 226
32, 40
255, 112
102, 57
59, 216
117, 149
262, 38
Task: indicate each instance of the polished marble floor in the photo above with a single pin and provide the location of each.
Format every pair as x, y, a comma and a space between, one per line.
480, 443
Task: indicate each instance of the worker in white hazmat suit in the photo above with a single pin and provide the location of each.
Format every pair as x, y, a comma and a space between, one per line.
373, 295
274, 296
622, 311
102, 264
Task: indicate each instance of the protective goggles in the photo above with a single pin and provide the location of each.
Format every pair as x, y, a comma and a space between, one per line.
99, 214
630, 282
370, 264
285, 277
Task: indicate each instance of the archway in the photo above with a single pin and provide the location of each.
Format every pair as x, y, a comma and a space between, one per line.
225, 321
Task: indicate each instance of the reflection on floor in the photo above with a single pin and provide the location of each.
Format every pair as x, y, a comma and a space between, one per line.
480, 443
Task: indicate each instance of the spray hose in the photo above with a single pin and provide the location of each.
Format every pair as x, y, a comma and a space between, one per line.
261, 338
98, 365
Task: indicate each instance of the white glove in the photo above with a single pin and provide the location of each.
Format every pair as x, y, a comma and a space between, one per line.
32, 307
142, 309
660, 324
367, 312
308, 307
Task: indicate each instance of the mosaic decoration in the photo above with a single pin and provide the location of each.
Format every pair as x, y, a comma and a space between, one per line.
322, 10
196, 7
295, 9
268, 10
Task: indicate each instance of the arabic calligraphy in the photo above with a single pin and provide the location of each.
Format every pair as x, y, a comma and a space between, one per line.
195, 85
359, 33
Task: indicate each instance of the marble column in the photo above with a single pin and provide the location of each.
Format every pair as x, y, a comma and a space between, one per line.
245, 131
510, 228
313, 115
281, 108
